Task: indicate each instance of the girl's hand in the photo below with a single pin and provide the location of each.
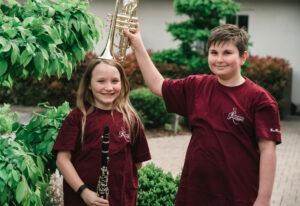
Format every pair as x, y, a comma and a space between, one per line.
135, 38
91, 199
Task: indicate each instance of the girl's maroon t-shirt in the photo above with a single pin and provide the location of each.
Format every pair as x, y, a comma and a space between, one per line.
222, 161
86, 157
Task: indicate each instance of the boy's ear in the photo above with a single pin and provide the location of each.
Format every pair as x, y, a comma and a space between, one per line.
244, 58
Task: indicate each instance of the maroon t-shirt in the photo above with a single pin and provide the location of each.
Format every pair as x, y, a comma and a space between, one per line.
86, 158
221, 166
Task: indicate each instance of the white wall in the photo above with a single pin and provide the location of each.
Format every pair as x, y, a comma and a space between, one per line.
153, 16
274, 26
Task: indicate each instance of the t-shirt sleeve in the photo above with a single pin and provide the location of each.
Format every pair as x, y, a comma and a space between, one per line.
140, 151
69, 132
267, 120
174, 95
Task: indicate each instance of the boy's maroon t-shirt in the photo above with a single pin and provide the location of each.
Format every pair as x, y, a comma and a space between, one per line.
222, 161
86, 157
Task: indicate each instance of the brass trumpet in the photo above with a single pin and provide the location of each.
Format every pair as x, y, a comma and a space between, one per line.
125, 20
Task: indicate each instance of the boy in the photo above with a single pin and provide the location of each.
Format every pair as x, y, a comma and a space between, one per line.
231, 158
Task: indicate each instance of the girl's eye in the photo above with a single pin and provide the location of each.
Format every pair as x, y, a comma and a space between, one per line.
115, 80
100, 81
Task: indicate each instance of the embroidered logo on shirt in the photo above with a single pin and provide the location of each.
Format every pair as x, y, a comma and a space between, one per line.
123, 134
274, 130
236, 119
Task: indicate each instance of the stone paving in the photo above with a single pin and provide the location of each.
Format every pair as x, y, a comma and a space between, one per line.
169, 152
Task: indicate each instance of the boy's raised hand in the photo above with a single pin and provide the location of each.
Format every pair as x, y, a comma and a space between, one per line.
135, 38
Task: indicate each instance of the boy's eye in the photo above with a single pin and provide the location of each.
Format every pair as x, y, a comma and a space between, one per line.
227, 52
213, 52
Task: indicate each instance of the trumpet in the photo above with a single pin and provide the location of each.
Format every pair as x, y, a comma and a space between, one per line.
126, 19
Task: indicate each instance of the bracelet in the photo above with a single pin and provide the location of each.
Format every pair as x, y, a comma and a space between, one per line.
80, 189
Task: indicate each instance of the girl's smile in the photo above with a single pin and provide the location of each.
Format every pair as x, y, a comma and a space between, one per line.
105, 85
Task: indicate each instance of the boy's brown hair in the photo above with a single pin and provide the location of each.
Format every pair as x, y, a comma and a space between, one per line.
229, 33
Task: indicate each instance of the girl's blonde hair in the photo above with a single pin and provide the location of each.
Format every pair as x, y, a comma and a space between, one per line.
85, 99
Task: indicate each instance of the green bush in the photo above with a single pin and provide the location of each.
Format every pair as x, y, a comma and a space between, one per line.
21, 175
26, 161
49, 89
150, 107
40, 134
41, 37
272, 74
155, 187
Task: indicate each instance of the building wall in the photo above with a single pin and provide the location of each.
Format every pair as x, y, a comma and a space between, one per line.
274, 26
153, 16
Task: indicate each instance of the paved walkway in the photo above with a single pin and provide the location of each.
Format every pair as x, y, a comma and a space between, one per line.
169, 152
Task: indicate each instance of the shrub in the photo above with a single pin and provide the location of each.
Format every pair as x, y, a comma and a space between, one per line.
151, 108
272, 74
21, 175
155, 187
49, 89
26, 161
40, 134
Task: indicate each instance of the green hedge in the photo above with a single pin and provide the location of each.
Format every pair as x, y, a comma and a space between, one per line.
150, 107
156, 188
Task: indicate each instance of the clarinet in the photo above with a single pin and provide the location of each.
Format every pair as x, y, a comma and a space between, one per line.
102, 186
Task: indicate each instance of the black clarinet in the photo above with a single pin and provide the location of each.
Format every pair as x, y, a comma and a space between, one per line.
102, 187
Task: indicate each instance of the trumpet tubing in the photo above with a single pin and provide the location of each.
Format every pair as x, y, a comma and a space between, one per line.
120, 21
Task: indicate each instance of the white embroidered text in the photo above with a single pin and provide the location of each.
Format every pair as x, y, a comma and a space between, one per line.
235, 118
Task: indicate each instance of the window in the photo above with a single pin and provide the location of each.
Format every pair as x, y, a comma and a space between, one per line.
240, 20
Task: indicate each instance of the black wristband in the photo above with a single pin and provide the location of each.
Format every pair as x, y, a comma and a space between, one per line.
80, 189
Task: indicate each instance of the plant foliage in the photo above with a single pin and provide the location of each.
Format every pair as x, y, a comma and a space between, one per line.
44, 37
194, 32
150, 108
26, 161
156, 188
272, 74
21, 175
40, 134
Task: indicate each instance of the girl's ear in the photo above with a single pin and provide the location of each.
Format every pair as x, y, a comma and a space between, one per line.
244, 58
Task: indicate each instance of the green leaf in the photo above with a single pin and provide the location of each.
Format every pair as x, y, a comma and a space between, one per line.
15, 53
3, 67
5, 45
3, 175
25, 58
16, 175
39, 61
20, 192
52, 67
40, 164
84, 28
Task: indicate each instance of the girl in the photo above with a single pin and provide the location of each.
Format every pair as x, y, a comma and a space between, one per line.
102, 99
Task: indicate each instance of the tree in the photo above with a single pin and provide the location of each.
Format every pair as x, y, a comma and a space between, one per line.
44, 37
194, 32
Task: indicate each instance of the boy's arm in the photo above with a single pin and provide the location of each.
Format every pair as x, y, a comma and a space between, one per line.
267, 169
153, 78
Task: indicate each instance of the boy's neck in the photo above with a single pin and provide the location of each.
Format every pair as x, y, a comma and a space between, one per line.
232, 82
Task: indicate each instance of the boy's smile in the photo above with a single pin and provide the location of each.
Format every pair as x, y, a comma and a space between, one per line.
225, 62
